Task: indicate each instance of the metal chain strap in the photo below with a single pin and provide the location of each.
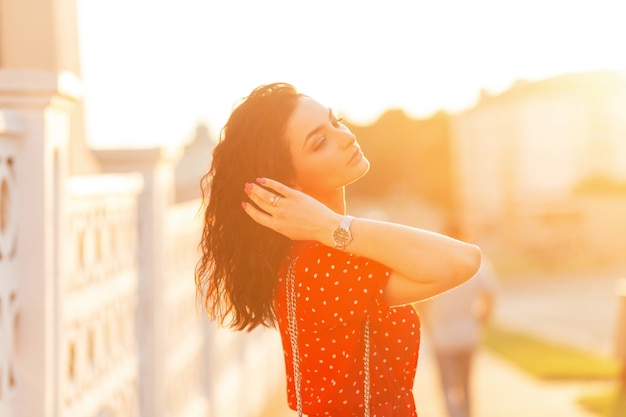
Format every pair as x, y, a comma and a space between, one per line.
366, 366
292, 325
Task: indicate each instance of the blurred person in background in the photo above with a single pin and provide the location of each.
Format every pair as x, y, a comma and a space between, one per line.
453, 322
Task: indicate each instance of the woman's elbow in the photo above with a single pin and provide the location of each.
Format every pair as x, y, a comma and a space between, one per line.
469, 262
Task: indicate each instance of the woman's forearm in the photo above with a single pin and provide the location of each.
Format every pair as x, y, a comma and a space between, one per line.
418, 255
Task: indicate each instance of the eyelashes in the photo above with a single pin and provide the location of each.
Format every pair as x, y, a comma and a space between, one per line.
335, 122
320, 144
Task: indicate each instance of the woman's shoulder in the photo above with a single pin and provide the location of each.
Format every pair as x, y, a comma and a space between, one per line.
307, 249
315, 253
318, 252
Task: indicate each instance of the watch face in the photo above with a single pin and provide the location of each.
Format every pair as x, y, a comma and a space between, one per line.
341, 236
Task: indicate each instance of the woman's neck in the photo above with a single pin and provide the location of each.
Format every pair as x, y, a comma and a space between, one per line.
335, 200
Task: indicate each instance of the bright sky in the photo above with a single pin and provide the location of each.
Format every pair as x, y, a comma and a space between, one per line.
153, 69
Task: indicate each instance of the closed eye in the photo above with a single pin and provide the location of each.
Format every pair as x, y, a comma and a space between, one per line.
320, 143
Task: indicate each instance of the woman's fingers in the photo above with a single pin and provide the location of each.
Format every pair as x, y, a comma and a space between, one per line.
276, 186
266, 209
287, 211
262, 197
258, 216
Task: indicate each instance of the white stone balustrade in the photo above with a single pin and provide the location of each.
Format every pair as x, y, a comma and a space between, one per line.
35, 107
186, 393
98, 313
9, 302
97, 293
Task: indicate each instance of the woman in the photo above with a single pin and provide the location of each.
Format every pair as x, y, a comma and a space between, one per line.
278, 249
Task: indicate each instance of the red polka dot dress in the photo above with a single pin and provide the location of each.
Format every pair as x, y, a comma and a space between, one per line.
335, 293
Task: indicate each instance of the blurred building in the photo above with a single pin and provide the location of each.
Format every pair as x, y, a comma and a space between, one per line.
541, 168
193, 164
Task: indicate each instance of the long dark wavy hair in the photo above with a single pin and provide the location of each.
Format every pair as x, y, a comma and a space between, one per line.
236, 277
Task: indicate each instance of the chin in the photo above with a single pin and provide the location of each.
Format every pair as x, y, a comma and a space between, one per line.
365, 167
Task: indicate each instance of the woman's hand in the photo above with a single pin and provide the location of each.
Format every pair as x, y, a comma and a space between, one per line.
290, 212
423, 263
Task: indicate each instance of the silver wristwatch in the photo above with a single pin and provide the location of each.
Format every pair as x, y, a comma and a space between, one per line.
342, 235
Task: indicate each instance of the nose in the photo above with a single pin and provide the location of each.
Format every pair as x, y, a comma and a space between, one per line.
347, 138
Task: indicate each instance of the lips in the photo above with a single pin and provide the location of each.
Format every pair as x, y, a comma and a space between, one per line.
356, 155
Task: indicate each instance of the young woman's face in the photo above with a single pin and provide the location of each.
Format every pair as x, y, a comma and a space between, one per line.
325, 154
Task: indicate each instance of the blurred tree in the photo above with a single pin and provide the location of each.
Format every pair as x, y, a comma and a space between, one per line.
407, 153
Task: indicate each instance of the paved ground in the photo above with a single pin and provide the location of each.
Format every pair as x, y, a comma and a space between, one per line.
578, 309
502, 390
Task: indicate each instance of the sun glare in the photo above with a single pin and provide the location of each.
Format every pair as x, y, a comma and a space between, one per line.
153, 70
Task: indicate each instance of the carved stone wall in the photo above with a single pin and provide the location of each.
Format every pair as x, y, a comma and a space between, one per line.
9, 299
98, 363
184, 388
97, 298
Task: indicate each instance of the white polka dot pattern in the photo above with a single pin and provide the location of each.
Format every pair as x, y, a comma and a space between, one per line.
335, 291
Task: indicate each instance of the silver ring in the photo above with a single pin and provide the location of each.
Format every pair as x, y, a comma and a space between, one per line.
274, 199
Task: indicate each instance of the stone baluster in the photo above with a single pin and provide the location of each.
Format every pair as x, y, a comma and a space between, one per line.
40, 103
156, 165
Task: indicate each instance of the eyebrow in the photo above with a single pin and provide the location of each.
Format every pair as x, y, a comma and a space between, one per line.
317, 129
